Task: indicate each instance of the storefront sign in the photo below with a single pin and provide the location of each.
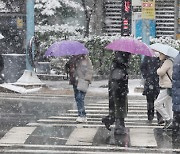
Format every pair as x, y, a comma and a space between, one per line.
148, 9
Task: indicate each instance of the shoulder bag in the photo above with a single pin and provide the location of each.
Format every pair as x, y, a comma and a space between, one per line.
82, 85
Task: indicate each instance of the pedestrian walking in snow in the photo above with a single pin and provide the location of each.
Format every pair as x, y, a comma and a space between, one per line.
151, 90
80, 72
118, 90
163, 103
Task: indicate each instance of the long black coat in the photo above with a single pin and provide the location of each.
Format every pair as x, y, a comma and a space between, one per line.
118, 85
176, 84
118, 79
149, 68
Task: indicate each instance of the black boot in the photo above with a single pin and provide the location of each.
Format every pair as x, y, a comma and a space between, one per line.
159, 118
108, 121
150, 115
119, 127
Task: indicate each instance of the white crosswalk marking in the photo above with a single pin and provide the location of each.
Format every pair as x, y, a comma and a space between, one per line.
82, 136
142, 137
80, 139
141, 132
17, 135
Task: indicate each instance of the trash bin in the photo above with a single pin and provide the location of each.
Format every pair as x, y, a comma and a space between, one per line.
14, 66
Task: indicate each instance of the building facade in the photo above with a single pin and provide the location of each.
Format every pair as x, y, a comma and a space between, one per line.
167, 17
177, 19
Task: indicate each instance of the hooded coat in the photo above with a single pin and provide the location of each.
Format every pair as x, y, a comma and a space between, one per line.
176, 84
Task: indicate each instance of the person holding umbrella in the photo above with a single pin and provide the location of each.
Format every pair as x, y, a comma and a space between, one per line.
118, 90
80, 70
118, 80
163, 103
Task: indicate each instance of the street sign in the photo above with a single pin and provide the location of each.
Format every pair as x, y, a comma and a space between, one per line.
148, 9
137, 22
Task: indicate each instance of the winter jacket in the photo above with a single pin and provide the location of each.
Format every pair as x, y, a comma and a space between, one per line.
149, 68
80, 67
118, 85
176, 84
164, 81
118, 79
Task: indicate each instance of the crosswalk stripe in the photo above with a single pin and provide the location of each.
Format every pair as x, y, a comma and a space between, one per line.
141, 119
134, 100
84, 149
144, 136
129, 104
105, 111
89, 125
94, 120
24, 151
17, 135
82, 136
105, 114
106, 107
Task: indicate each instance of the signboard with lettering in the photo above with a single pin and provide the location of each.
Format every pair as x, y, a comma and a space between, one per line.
126, 18
148, 9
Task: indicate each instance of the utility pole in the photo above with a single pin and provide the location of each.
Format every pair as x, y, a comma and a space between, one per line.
30, 30
29, 78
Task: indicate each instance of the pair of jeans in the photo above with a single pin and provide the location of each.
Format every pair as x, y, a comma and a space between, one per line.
79, 98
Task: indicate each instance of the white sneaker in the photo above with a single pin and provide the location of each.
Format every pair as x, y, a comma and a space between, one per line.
81, 119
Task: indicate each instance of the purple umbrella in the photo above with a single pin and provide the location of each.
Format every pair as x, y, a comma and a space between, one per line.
130, 45
65, 48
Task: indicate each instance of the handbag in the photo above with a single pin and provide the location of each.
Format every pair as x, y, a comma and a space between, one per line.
82, 85
169, 90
